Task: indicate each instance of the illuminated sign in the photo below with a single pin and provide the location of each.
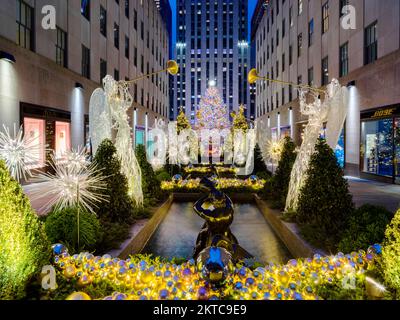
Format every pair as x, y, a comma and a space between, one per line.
381, 113
384, 113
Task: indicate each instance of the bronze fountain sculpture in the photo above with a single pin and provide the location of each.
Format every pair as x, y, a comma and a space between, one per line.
216, 246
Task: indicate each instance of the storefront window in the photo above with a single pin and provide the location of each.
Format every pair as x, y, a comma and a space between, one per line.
285, 132
63, 138
139, 137
35, 134
340, 150
397, 150
377, 147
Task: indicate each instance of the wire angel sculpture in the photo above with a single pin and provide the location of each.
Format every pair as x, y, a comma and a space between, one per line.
332, 110
108, 112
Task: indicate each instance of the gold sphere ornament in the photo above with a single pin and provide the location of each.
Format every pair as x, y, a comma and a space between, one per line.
172, 67
76, 296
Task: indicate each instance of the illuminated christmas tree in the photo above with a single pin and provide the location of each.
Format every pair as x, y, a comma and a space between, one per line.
182, 121
239, 120
212, 112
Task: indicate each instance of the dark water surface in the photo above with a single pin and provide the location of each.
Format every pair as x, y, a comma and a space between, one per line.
176, 236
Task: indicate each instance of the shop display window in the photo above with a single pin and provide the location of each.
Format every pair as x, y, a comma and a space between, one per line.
139, 137
63, 138
377, 147
35, 135
397, 150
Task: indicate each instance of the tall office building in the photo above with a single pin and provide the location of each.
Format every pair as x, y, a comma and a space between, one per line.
48, 87
311, 42
212, 50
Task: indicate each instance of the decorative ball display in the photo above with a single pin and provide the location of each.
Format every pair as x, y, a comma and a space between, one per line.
153, 280
214, 264
253, 179
59, 249
177, 178
79, 296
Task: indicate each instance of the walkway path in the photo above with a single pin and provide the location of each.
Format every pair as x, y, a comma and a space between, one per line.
376, 193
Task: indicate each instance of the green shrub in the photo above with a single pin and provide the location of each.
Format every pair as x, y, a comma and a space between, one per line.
325, 202
119, 207
391, 254
173, 169
163, 175
24, 247
61, 227
260, 168
277, 189
113, 234
364, 227
150, 184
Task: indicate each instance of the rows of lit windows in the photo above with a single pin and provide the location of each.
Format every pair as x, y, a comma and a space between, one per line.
265, 53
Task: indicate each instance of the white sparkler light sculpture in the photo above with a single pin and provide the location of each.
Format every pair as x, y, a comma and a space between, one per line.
272, 149
70, 185
75, 159
332, 110
18, 152
108, 109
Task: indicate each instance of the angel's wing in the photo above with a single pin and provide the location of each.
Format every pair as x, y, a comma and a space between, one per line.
336, 117
100, 123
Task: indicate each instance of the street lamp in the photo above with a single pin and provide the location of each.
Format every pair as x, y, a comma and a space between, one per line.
253, 77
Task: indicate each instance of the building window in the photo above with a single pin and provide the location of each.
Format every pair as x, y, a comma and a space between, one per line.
25, 25
85, 62
61, 48
116, 74
126, 47
103, 69
371, 43
290, 55
311, 77
135, 19
103, 21
299, 44
283, 62
127, 8
300, 7
325, 17
325, 71
291, 16
85, 9
344, 60
135, 56
116, 35
311, 33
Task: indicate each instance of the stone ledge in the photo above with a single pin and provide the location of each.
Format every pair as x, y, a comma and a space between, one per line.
287, 232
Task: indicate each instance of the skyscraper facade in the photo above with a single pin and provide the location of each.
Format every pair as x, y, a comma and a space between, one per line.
357, 42
47, 84
212, 50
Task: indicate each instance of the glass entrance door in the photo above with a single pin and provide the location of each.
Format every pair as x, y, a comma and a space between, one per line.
397, 150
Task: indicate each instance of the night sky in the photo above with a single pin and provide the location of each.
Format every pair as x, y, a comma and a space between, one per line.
252, 5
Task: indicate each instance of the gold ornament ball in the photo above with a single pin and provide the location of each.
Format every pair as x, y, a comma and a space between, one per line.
76, 296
